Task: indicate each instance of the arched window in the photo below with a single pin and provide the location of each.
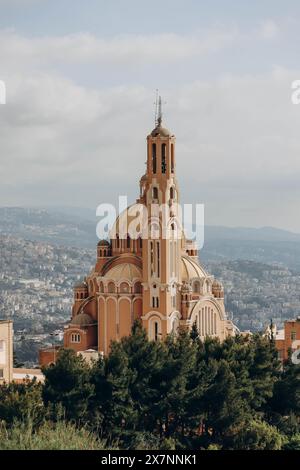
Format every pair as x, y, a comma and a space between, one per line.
111, 288
155, 192
75, 338
101, 287
163, 158
172, 192
172, 158
154, 230
141, 242
128, 241
124, 288
138, 288
197, 287
154, 158
118, 241
156, 331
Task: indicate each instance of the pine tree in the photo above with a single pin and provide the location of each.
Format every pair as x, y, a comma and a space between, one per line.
264, 371
145, 361
286, 400
111, 378
67, 383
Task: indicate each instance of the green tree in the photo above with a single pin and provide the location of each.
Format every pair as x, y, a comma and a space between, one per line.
258, 435
286, 400
67, 383
112, 403
20, 401
49, 436
264, 372
145, 362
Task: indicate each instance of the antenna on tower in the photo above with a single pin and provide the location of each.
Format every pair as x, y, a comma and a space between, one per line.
159, 116
156, 107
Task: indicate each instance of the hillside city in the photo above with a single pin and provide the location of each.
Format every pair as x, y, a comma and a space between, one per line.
37, 279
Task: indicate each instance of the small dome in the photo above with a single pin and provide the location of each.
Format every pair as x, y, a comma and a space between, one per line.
160, 131
126, 271
217, 284
81, 285
191, 269
83, 319
103, 243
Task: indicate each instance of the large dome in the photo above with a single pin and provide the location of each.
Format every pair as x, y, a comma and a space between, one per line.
124, 219
126, 271
133, 217
191, 269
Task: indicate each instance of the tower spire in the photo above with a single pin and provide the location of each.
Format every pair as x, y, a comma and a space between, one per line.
159, 115
158, 109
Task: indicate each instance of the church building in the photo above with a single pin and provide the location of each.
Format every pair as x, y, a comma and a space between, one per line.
154, 278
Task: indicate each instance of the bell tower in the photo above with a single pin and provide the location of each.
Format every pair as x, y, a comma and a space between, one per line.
162, 249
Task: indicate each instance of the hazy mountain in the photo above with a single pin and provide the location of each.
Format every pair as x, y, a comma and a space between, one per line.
77, 227
48, 226
268, 234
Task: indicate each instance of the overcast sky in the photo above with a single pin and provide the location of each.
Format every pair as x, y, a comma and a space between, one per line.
81, 80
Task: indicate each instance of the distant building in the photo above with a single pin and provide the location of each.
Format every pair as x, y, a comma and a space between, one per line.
6, 351
7, 372
22, 374
287, 340
152, 277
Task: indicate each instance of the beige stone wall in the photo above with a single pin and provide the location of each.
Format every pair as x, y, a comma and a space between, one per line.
6, 351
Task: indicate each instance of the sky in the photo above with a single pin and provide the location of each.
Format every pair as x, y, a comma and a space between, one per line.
80, 84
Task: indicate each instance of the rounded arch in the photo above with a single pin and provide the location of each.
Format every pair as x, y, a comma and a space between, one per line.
172, 193
196, 286
207, 303
155, 328
124, 287
137, 308
111, 287
125, 317
111, 322
138, 288
175, 322
208, 317
174, 228
154, 192
154, 228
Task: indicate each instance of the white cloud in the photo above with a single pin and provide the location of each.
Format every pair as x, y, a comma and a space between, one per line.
269, 29
83, 48
61, 142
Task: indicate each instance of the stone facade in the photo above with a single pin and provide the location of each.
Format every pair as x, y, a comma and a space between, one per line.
6, 351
